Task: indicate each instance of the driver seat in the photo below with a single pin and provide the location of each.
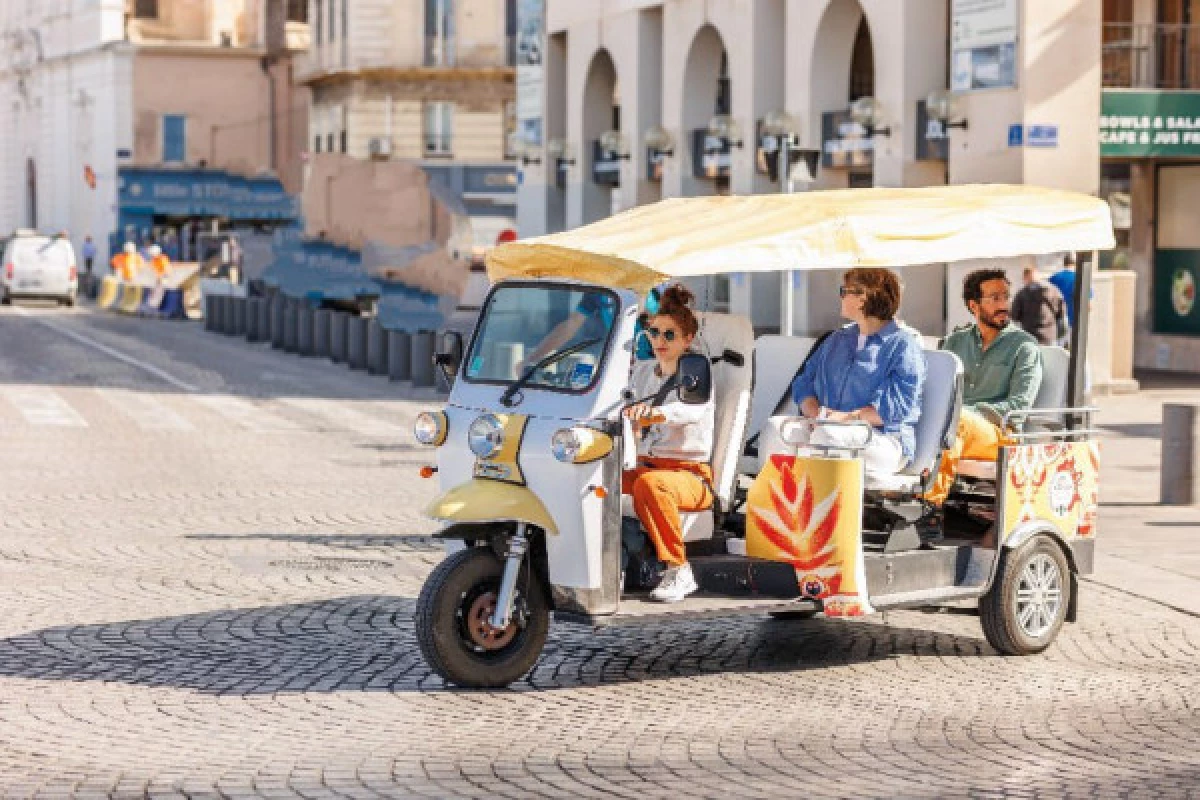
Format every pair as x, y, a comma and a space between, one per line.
728, 341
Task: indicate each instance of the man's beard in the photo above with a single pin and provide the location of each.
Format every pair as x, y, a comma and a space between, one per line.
996, 320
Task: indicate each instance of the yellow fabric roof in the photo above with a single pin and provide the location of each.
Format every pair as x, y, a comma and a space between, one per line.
692, 236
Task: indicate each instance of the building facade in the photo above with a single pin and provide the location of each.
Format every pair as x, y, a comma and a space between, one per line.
187, 97
686, 91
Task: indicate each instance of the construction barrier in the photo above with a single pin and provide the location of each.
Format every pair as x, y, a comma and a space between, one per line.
110, 289
143, 301
131, 298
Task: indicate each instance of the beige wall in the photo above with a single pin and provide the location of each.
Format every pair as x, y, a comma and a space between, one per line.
201, 21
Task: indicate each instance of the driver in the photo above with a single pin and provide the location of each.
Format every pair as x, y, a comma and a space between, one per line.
592, 318
674, 446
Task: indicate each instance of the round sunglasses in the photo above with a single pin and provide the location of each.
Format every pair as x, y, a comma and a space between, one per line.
668, 335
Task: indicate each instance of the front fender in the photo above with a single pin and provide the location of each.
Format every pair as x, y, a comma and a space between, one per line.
484, 500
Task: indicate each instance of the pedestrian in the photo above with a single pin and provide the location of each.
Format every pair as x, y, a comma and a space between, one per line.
1039, 308
1064, 281
159, 262
128, 263
89, 254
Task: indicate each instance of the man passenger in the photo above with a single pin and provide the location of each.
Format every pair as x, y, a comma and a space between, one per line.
1003, 371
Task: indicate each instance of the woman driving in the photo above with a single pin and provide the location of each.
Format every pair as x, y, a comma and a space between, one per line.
675, 442
871, 371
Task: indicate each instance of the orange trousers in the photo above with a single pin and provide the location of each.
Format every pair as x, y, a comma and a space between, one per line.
661, 488
977, 440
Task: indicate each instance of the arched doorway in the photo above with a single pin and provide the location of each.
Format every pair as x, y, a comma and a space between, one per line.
707, 91
601, 113
31, 215
843, 70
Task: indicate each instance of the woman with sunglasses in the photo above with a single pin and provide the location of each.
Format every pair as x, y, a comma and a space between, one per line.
675, 444
870, 371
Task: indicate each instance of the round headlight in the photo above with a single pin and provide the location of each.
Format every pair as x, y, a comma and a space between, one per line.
565, 444
485, 436
430, 428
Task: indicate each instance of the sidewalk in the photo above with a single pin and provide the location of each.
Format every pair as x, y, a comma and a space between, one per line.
1144, 549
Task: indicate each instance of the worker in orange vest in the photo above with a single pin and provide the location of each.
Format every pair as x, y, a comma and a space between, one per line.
128, 263
158, 261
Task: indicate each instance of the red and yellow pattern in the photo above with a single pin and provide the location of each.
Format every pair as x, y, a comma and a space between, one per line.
1054, 481
807, 511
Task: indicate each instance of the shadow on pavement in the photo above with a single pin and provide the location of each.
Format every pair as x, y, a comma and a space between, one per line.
367, 643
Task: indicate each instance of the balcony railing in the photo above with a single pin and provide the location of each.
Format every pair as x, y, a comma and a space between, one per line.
1151, 56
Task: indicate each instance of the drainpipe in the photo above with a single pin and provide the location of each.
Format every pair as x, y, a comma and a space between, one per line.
265, 64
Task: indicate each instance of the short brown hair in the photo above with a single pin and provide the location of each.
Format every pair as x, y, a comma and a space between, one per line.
882, 288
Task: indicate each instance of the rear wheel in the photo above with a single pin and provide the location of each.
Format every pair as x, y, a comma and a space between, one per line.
5, 298
69, 300
1027, 605
453, 628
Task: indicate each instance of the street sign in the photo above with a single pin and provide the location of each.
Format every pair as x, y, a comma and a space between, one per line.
1041, 136
1016, 136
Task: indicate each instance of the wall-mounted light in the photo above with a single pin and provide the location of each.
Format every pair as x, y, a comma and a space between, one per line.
726, 127
525, 150
659, 141
779, 123
869, 112
943, 106
562, 151
616, 143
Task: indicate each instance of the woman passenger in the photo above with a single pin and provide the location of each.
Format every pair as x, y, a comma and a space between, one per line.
675, 444
871, 371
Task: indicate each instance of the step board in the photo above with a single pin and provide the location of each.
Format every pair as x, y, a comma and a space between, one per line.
639, 610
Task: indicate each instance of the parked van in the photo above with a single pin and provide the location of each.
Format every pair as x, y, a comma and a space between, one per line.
36, 265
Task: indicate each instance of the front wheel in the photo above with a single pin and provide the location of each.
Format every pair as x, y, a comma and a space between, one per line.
1027, 604
452, 621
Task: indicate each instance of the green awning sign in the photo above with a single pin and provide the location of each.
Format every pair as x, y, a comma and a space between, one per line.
1137, 124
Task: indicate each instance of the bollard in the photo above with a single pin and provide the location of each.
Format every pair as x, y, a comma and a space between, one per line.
277, 304
422, 359
304, 330
356, 342
322, 318
377, 348
337, 337
239, 316
1180, 471
230, 327
208, 312
290, 326
252, 316
224, 315
264, 320
399, 353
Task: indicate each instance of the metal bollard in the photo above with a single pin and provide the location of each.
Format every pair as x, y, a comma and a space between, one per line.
422, 359
239, 316
252, 316
1180, 471
225, 315
399, 353
264, 319
304, 330
356, 342
377, 348
290, 327
322, 320
210, 312
337, 337
277, 305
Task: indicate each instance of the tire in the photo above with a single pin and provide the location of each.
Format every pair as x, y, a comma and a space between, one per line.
69, 300
5, 298
456, 587
791, 615
1017, 618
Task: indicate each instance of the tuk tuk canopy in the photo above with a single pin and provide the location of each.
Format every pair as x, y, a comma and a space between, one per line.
838, 229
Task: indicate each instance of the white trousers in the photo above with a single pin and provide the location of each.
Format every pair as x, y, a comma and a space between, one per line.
881, 452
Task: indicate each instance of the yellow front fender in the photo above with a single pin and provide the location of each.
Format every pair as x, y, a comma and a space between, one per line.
483, 500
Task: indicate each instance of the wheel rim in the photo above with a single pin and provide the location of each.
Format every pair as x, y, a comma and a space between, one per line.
1039, 596
474, 621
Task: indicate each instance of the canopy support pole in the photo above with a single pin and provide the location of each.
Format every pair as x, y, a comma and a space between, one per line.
1077, 380
787, 310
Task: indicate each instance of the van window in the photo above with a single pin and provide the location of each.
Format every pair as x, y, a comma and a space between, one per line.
42, 250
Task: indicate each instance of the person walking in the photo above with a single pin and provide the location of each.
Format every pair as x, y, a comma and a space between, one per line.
1039, 308
89, 254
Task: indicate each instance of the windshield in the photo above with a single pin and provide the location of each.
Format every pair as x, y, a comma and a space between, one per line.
524, 324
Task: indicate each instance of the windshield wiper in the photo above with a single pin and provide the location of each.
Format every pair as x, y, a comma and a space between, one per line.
520, 383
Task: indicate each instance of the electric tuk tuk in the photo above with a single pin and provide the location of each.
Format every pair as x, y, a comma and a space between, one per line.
531, 445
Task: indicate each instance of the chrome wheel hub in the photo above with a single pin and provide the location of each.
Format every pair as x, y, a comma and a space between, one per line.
1039, 596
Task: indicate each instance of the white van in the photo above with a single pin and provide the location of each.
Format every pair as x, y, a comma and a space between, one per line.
36, 265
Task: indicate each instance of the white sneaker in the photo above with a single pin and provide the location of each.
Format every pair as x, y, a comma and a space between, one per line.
677, 583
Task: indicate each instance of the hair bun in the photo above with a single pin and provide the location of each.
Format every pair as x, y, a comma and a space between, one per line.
677, 295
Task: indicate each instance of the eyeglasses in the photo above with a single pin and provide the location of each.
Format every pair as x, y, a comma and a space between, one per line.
667, 335
998, 297
854, 290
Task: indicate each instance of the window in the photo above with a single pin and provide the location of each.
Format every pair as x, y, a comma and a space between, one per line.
297, 10
145, 9
333, 19
317, 143
439, 33
439, 128
329, 142
343, 137
319, 17
510, 127
862, 64
174, 133
510, 33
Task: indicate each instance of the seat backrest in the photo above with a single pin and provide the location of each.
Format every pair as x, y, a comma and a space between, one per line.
776, 361
940, 400
1056, 366
731, 393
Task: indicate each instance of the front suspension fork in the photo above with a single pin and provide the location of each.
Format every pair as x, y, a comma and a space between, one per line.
517, 547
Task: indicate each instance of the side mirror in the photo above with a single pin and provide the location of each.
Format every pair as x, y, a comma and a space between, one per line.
694, 378
449, 354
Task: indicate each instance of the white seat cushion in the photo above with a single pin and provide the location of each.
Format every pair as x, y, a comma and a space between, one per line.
731, 392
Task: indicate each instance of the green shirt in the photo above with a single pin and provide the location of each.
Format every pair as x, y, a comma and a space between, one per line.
1004, 377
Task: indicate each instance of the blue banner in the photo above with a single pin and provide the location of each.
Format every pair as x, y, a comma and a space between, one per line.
203, 193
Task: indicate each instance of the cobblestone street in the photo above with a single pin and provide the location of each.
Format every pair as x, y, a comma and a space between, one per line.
209, 557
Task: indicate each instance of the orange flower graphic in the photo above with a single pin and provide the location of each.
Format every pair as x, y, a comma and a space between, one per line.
802, 529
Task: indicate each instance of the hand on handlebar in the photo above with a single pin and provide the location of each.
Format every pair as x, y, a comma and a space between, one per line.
644, 414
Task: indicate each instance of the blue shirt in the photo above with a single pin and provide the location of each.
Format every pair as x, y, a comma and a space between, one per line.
1064, 281
888, 373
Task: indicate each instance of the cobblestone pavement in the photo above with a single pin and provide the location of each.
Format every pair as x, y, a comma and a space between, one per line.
209, 593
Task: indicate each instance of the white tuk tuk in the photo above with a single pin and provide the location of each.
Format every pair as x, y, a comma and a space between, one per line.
529, 456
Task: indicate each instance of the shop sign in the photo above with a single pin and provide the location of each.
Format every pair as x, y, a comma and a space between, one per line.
606, 166
983, 44
531, 46
933, 140
845, 143
203, 193
1176, 281
1150, 124
711, 155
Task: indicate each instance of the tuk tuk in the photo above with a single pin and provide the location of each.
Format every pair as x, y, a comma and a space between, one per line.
530, 450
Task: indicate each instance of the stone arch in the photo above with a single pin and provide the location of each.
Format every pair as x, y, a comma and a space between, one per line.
702, 76
842, 44
600, 114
